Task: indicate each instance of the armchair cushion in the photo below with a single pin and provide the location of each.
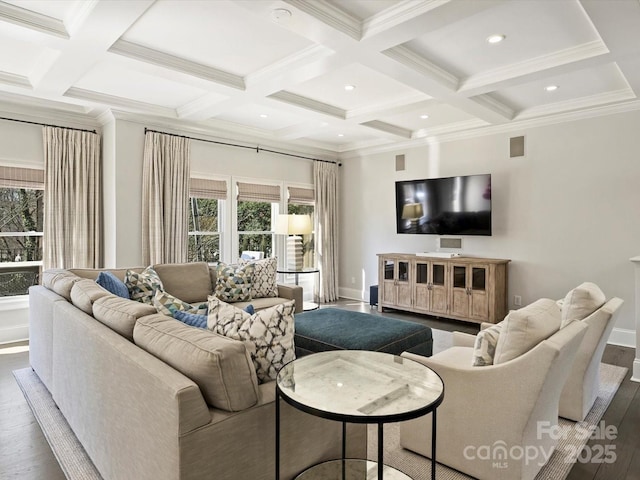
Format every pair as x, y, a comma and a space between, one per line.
523, 329
581, 302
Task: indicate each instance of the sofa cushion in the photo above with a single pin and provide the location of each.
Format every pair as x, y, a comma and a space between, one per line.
261, 303
167, 304
84, 292
233, 282
189, 282
120, 314
523, 329
60, 281
220, 366
142, 286
484, 349
267, 333
581, 302
264, 283
113, 284
92, 273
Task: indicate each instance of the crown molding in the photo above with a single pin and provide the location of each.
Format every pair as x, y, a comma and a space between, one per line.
79, 14
218, 130
309, 104
331, 15
15, 80
42, 114
534, 65
165, 60
409, 58
396, 15
578, 104
104, 99
30, 103
482, 131
440, 130
285, 65
32, 20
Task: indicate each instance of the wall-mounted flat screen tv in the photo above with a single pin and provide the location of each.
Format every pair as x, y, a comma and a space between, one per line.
445, 206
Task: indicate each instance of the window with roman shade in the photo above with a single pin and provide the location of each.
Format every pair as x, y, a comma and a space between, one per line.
21, 228
257, 208
207, 198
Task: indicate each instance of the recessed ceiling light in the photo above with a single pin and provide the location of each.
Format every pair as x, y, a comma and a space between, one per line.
496, 38
341, 134
551, 88
263, 115
349, 88
280, 14
424, 116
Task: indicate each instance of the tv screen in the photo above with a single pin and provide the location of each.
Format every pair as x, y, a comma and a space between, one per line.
445, 206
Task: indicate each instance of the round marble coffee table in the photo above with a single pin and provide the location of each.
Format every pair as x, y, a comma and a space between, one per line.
356, 386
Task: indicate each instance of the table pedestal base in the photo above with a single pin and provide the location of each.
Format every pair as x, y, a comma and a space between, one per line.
355, 469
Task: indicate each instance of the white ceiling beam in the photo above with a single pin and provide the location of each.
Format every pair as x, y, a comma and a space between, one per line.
102, 27
32, 20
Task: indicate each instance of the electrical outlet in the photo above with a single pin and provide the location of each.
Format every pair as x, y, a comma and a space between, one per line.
517, 300
353, 280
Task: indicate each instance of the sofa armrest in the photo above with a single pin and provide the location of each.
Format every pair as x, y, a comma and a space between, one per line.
292, 292
461, 339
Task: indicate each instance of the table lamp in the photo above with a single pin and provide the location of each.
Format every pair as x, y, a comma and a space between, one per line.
294, 226
412, 212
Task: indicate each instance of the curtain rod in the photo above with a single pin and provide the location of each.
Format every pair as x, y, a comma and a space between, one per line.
47, 125
258, 149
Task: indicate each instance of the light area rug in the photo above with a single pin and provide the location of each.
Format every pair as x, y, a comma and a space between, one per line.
77, 466
557, 468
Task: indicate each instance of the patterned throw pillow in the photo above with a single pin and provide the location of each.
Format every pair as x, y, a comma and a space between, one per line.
113, 284
485, 347
143, 286
268, 333
233, 283
265, 281
168, 304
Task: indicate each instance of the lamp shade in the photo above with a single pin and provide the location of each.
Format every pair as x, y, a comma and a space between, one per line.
412, 211
293, 224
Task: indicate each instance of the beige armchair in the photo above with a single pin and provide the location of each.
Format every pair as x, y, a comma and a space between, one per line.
492, 414
583, 383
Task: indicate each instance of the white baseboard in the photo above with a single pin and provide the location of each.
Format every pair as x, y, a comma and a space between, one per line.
352, 294
14, 319
14, 334
636, 370
622, 337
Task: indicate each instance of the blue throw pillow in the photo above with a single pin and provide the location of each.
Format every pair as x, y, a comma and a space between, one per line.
200, 321
192, 319
113, 284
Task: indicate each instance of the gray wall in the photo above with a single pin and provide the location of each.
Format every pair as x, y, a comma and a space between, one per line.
565, 213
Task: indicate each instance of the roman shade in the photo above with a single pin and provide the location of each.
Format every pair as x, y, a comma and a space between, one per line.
15, 177
208, 188
257, 192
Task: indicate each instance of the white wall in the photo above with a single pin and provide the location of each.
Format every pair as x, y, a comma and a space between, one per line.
563, 214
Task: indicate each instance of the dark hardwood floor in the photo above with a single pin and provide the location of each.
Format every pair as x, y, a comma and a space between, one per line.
25, 453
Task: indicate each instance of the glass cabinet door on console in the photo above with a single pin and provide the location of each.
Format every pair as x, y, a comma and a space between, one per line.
396, 289
422, 288
469, 291
438, 288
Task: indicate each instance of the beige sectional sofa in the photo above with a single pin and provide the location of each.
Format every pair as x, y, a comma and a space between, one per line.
198, 414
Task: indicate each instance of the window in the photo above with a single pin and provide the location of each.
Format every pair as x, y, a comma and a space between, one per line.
21, 227
257, 208
302, 202
206, 204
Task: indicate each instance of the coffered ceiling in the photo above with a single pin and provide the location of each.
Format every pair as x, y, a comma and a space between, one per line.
279, 70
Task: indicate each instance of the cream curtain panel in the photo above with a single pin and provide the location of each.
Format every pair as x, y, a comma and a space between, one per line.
72, 199
165, 198
326, 187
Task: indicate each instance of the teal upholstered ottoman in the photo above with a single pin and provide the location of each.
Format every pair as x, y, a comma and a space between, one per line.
336, 329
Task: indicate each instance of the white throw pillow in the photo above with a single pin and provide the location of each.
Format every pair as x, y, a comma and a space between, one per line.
267, 334
523, 329
581, 302
484, 350
265, 281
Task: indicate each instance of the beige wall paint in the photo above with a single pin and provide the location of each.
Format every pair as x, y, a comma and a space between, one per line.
565, 213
